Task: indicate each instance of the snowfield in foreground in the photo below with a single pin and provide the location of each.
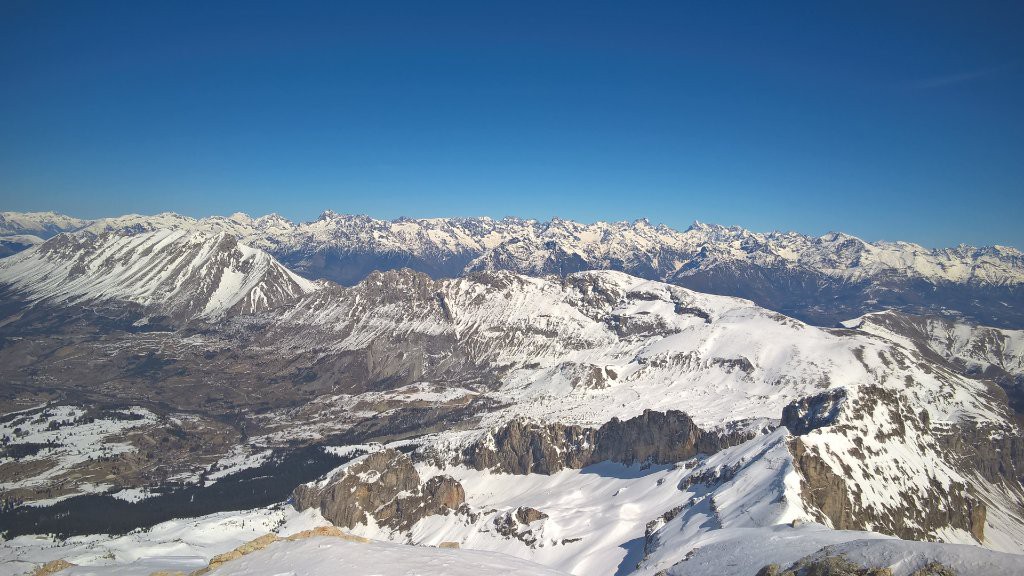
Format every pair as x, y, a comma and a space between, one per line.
331, 556
188, 545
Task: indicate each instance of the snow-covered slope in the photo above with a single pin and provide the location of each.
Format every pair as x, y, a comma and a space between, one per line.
329, 556
41, 224
301, 547
978, 349
187, 545
730, 513
170, 273
607, 518
984, 351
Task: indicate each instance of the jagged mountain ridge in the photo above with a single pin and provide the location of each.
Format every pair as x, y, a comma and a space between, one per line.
603, 245
822, 280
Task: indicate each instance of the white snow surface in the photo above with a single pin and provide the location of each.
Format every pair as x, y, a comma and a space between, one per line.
183, 544
324, 556
186, 545
597, 515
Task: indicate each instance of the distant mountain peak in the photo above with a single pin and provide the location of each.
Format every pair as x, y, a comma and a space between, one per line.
184, 274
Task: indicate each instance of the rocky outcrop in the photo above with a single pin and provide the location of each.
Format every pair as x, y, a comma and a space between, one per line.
996, 455
521, 447
525, 447
654, 525
836, 485
821, 488
384, 485
813, 412
516, 524
527, 515
831, 498
824, 566
656, 437
52, 567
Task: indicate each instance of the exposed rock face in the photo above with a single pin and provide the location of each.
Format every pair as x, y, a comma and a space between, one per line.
655, 437
823, 489
824, 566
996, 456
516, 524
525, 447
526, 515
840, 484
813, 412
651, 438
951, 506
384, 485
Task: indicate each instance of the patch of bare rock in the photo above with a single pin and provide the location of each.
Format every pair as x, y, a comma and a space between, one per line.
384, 485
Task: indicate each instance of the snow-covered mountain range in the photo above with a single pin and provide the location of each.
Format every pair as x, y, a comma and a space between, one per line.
821, 280
590, 421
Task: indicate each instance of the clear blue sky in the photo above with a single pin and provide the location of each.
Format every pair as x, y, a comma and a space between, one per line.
887, 120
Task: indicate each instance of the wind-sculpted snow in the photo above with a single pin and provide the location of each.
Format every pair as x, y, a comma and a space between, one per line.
169, 273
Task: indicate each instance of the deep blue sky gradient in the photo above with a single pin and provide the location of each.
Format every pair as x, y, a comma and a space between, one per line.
886, 120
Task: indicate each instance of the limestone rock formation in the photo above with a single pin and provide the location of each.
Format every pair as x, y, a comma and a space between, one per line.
834, 481
516, 524
521, 447
384, 485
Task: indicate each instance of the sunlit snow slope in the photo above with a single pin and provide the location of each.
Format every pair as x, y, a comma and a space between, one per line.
168, 273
